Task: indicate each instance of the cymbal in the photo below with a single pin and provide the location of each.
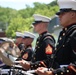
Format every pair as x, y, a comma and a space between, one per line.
6, 60
10, 48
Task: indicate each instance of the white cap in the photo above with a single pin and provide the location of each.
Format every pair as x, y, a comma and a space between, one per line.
67, 4
28, 34
19, 34
38, 17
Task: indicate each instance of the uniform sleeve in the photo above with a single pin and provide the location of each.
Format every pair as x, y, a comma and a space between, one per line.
70, 70
37, 64
48, 46
27, 54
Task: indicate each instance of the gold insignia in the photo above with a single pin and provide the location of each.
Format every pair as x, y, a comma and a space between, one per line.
25, 56
48, 49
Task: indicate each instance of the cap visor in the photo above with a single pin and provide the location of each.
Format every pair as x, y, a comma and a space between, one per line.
36, 22
58, 13
62, 11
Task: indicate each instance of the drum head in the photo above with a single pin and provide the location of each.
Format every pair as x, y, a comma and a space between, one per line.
4, 71
5, 59
8, 52
10, 48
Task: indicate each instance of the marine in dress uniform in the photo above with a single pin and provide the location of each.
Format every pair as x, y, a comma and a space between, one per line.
45, 43
27, 52
65, 54
19, 37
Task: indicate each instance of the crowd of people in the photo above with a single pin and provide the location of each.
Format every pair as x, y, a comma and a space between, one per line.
46, 58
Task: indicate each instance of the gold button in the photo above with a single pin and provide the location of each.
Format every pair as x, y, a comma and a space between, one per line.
67, 71
35, 65
60, 38
63, 34
63, 45
65, 28
39, 64
31, 66
62, 73
37, 42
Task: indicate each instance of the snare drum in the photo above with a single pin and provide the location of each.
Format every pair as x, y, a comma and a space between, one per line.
9, 72
4, 71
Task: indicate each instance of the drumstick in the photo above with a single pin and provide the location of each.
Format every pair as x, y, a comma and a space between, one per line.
18, 62
26, 73
18, 66
33, 71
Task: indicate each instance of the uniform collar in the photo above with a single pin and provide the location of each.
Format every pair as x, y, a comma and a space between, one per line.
65, 29
43, 33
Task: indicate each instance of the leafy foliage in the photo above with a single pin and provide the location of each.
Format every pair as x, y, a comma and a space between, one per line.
12, 20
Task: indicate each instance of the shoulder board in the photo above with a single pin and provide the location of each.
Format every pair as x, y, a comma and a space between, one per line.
71, 29
48, 35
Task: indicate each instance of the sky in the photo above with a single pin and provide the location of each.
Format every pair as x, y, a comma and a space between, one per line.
20, 4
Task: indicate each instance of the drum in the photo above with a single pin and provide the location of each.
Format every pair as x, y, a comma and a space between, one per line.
15, 72
4, 72
30, 72
8, 54
10, 48
11, 72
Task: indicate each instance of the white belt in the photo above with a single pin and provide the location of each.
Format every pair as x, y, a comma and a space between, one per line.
63, 66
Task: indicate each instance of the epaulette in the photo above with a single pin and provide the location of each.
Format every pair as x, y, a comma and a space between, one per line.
48, 35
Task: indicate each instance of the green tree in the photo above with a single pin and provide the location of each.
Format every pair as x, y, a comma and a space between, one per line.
18, 24
26, 13
6, 14
14, 20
